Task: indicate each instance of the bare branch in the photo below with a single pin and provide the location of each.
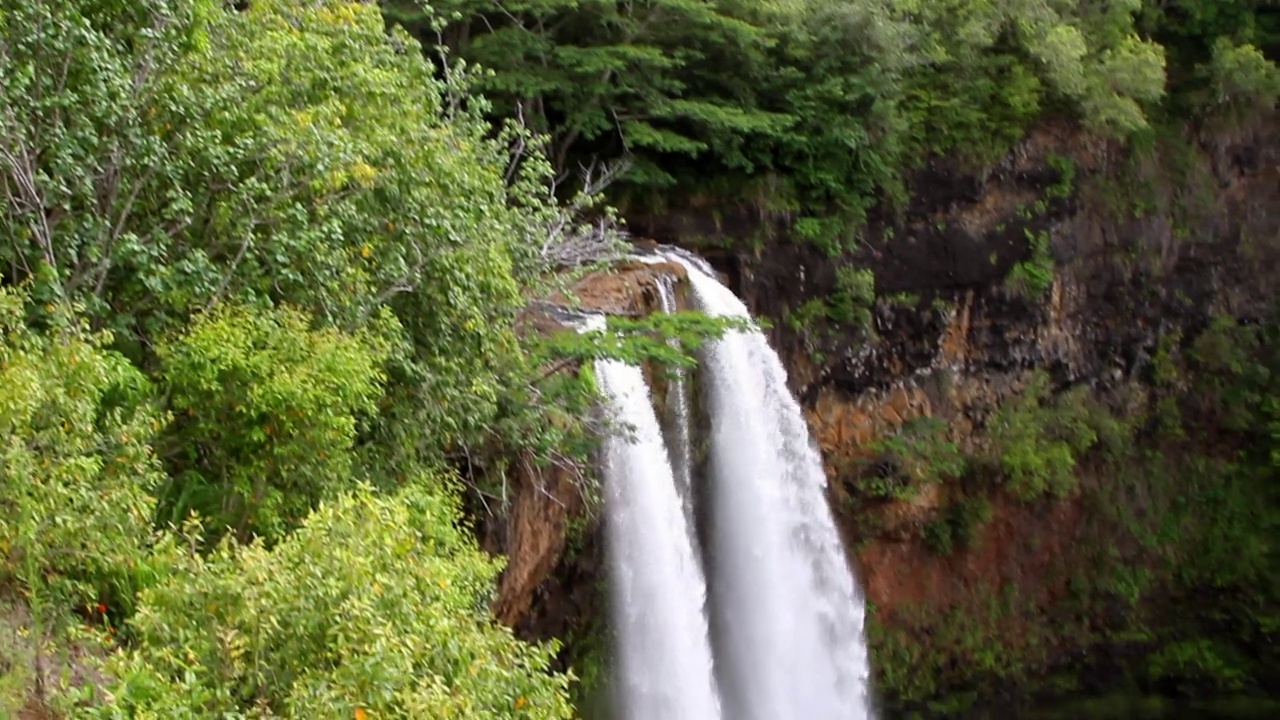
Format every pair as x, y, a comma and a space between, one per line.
570, 243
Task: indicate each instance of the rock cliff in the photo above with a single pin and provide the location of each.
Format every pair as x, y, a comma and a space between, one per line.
1138, 249
1075, 263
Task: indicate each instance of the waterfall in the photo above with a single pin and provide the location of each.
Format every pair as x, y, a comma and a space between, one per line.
787, 618
680, 445
782, 635
665, 666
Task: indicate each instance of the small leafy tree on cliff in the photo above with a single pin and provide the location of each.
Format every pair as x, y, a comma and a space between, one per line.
1037, 439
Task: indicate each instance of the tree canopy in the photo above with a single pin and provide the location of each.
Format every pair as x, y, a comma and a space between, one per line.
259, 277
822, 106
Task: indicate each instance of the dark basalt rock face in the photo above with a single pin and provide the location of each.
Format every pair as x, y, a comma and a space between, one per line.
1203, 241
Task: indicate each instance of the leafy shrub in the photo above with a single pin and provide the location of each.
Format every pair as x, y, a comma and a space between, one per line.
376, 606
76, 466
1033, 277
1037, 440
918, 454
1191, 665
266, 412
1242, 77
1231, 385
76, 473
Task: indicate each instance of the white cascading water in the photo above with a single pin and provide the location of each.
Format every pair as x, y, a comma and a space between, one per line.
665, 667
787, 617
680, 445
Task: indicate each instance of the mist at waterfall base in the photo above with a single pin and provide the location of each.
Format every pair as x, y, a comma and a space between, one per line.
774, 628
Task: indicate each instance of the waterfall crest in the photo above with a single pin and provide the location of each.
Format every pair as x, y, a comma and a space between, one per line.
787, 617
664, 654
781, 637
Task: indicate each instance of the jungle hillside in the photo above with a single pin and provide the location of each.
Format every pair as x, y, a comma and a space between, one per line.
270, 274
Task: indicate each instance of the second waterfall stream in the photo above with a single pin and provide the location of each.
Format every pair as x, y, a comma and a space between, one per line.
769, 625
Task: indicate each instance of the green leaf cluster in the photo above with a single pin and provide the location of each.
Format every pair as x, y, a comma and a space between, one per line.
266, 412
1037, 439
76, 463
917, 455
1034, 276
376, 606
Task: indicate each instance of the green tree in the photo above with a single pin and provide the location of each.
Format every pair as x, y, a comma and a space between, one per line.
376, 605
266, 412
807, 105
86, 177
179, 164
603, 78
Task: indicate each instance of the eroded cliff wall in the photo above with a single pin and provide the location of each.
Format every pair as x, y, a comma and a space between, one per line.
1026, 425
1078, 268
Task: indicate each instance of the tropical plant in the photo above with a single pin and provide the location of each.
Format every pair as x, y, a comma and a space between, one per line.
266, 412
76, 470
375, 607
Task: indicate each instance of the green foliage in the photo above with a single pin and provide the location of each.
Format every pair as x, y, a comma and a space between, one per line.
1200, 659
76, 465
375, 605
76, 473
1242, 78
208, 173
978, 113
1066, 169
82, 157
819, 109
16, 677
669, 339
317, 250
1037, 440
958, 525
1223, 51
1171, 564
383, 199
847, 306
919, 454
943, 659
350, 183
816, 108
1232, 382
1034, 276
851, 299
590, 648
628, 76
266, 413
1168, 378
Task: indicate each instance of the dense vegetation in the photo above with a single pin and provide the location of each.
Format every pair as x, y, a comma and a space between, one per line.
262, 266
1169, 584
821, 107
259, 282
